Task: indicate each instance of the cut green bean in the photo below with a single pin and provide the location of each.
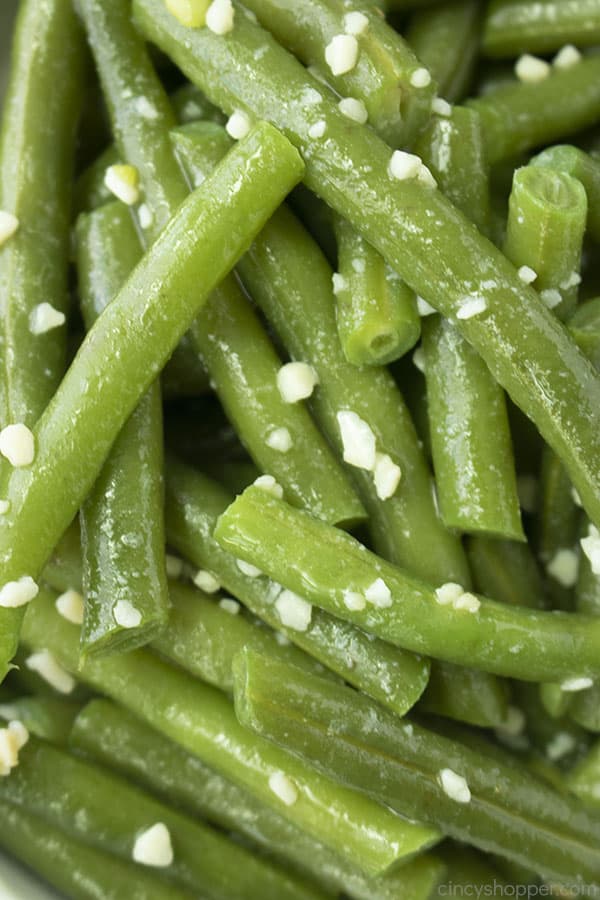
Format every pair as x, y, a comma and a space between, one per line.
126, 602
50, 718
322, 564
103, 810
531, 26
493, 806
546, 222
302, 313
80, 871
114, 738
377, 316
37, 146
515, 118
585, 709
585, 168
475, 475
446, 39
194, 503
388, 79
534, 360
559, 740
506, 571
470, 437
131, 342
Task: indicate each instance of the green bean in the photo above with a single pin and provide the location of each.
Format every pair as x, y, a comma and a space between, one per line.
122, 521
114, 738
103, 810
140, 112
470, 437
557, 526
519, 26
396, 100
303, 315
202, 720
515, 118
280, 436
555, 701
465, 695
584, 326
63, 570
130, 343
546, 222
518, 642
584, 778
50, 718
194, 503
37, 145
534, 361
377, 317
585, 168
495, 807
475, 476
506, 571
81, 872
446, 40
203, 637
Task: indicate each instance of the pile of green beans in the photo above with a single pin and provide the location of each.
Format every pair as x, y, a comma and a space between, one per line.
299, 442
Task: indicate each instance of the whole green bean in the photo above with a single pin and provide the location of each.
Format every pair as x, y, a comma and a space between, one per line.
194, 503
414, 226
114, 738
202, 720
446, 39
37, 146
103, 810
386, 77
515, 118
517, 642
302, 313
539, 26
585, 168
80, 871
547, 216
131, 342
122, 520
495, 807
376, 312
